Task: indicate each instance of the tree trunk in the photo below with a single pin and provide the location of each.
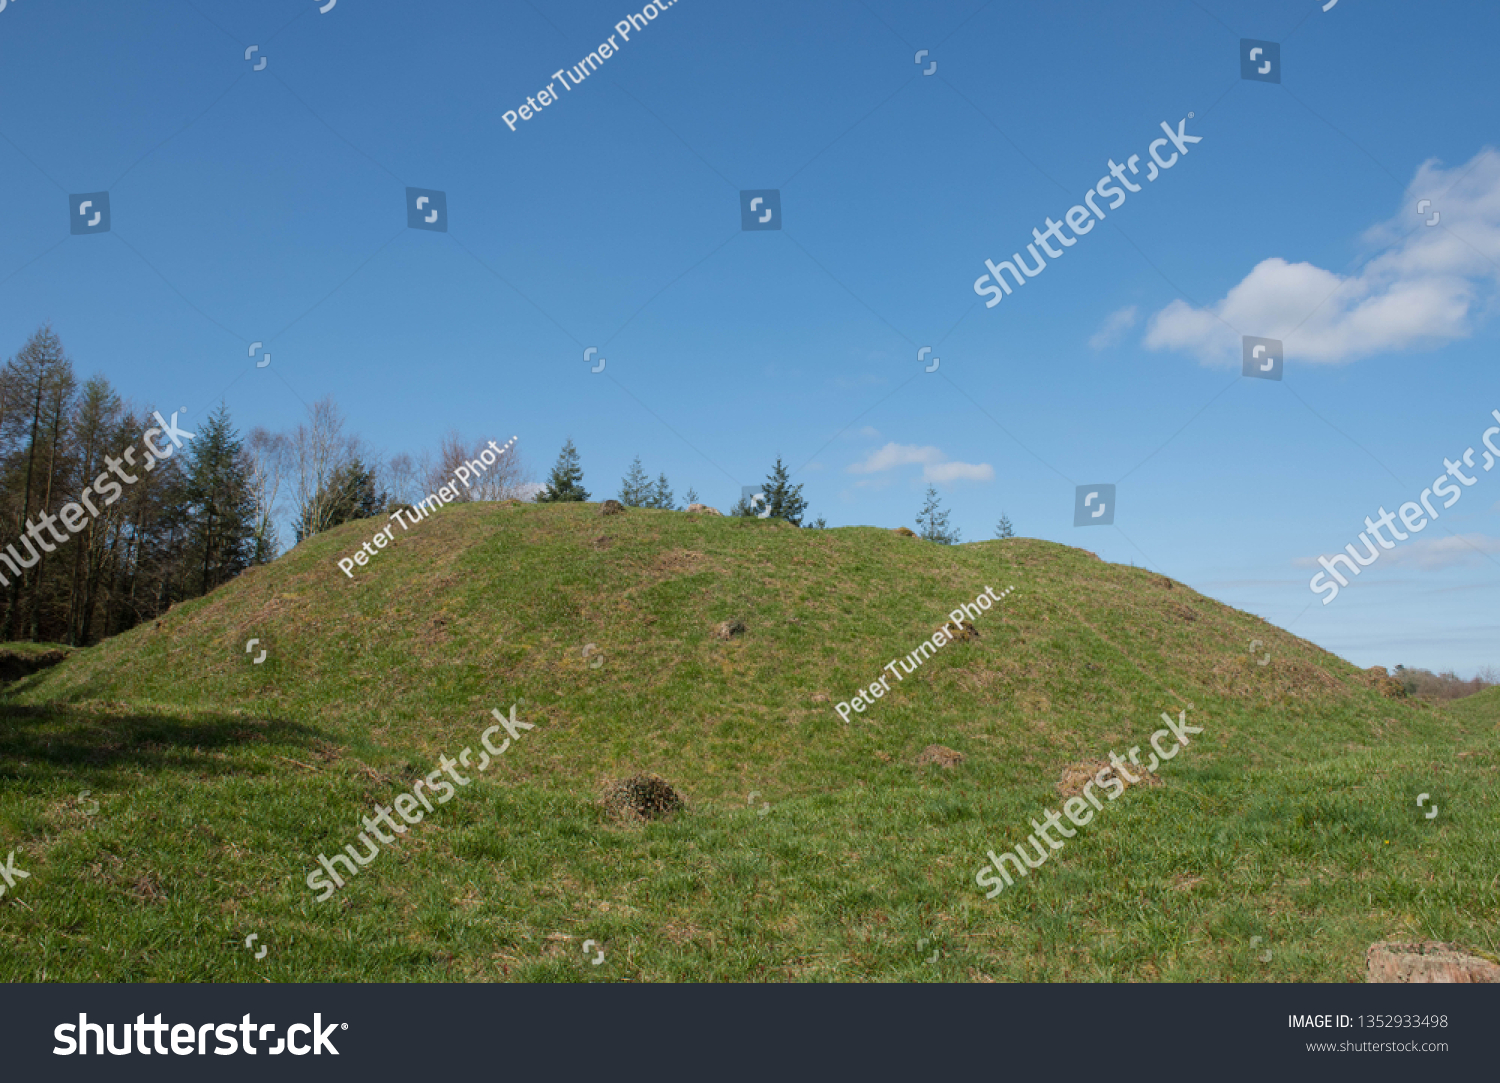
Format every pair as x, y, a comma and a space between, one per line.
15, 590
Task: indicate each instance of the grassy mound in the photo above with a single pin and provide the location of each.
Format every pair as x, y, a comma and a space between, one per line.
808, 848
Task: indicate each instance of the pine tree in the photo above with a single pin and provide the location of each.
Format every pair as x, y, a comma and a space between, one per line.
783, 498
932, 523
359, 495
635, 487
661, 496
351, 493
565, 483
220, 508
691, 497
1003, 528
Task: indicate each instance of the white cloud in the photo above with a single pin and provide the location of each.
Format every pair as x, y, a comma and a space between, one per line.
935, 465
893, 455
869, 430
1428, 288
1119, 321
1456, 551
1430, 554
959, 471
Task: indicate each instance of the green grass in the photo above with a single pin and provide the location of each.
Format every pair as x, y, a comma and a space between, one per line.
1291, 817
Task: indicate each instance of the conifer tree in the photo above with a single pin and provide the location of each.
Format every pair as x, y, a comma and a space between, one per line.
565, 483
351, 493
220, 508
635, 487
781, 496
661, 496
1003, 529
932, 523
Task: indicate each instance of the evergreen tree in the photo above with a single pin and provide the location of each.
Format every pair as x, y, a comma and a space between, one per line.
819, 523
220, 510
1003, 529
692, 496
932, 523
359, 492
351, 493
661, 496
635, 487
784, 498
565, 483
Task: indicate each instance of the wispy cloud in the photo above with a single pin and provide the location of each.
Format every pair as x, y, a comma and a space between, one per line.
1119, 321
959, 472
935, 465
1432, 554
894, 455
1457, 551
1429, 288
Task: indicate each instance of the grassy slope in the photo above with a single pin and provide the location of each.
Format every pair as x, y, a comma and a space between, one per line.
1291, 817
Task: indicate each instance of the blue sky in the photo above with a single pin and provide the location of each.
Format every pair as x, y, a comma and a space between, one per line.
270, 205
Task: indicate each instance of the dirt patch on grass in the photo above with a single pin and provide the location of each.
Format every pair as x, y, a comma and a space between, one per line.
942, 755
640, 797
675, 562
1279, 680
1077, 775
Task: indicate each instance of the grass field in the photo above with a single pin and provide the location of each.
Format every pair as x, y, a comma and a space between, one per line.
214, 783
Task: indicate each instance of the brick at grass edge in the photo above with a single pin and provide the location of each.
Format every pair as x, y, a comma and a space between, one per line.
1427, 962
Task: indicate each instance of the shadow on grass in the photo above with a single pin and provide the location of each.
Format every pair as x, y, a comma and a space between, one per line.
65, 736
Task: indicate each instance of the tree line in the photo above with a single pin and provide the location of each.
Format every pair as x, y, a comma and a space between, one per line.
179, 522
162, 529
780, 499
179, 528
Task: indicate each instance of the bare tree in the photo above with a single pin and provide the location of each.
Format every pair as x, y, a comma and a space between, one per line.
317, 450
270, 457
402, 478
505, 479
502, 479
452, 454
